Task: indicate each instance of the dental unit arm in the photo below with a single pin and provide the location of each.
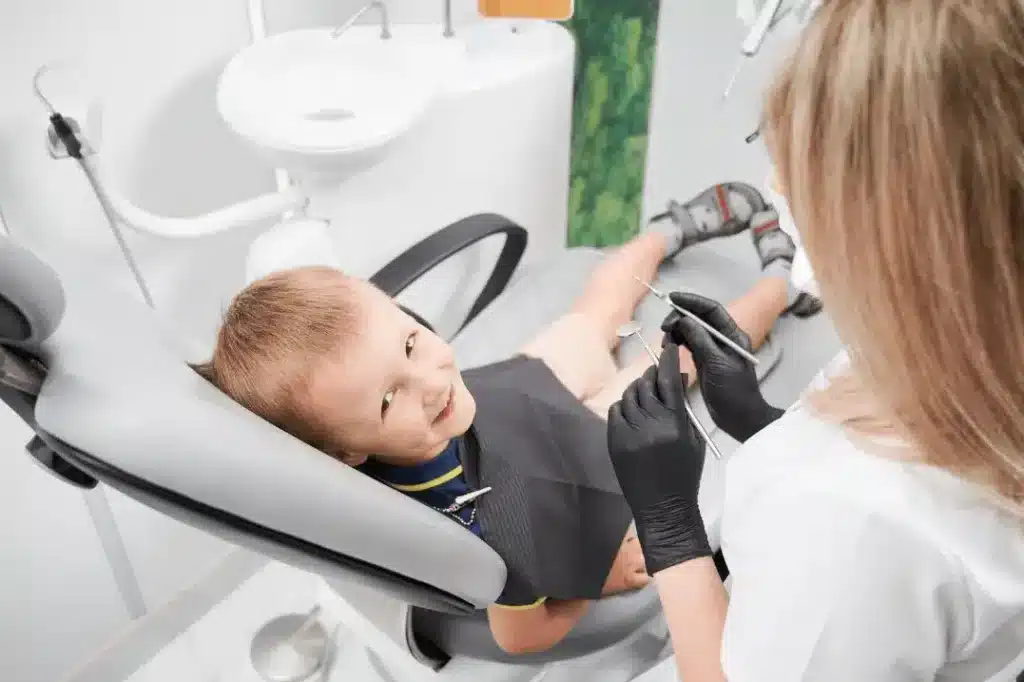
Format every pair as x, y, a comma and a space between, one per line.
755, 38
761, 17
243, 213
749, 11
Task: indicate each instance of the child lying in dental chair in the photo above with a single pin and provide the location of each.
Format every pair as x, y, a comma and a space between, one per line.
338, 364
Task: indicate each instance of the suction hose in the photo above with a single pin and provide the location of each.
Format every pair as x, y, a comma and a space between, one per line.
77, 150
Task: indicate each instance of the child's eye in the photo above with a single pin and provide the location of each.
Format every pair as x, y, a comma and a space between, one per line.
386, 403
410, 343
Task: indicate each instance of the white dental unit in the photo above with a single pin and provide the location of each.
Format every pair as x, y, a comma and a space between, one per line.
472, 125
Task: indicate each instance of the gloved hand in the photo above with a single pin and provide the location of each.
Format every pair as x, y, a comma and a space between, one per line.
658, 458
726, 379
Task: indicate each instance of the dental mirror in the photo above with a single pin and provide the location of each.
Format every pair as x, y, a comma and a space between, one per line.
632, 328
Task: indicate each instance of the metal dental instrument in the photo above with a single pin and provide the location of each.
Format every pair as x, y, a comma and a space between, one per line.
633, 329
462, 500
42, 71
711, 330
385, 23
755, 38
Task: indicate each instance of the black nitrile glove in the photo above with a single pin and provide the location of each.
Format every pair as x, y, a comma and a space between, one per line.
727, 380
658, 458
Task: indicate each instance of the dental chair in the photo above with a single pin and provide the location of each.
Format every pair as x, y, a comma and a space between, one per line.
111, 400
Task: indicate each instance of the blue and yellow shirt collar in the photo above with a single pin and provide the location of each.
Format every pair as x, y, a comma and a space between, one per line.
436, 482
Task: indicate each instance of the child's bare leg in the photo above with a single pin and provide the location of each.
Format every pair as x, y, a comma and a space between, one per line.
755, 313
628, 571
612, 295
577, 346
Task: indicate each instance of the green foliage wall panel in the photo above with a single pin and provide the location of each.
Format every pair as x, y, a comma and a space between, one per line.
615, 46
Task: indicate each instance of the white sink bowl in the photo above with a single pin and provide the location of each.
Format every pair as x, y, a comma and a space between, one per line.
314, 103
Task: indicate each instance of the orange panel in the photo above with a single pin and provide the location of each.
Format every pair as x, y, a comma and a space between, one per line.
528, 9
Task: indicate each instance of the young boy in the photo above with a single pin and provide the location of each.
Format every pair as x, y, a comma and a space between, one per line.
337, 363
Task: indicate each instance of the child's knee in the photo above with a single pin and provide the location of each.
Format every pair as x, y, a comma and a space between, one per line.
628, 571
576, 355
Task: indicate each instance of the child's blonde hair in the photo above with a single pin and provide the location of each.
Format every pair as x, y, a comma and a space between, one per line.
274, 334
897, 127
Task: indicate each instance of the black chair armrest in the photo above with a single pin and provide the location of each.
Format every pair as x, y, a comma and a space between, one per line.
422, 257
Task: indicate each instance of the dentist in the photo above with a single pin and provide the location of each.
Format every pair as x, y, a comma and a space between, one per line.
875, 531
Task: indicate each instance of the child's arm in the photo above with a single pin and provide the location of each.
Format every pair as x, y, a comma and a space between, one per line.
527, 630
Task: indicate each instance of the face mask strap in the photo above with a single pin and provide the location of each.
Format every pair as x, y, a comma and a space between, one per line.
801, 275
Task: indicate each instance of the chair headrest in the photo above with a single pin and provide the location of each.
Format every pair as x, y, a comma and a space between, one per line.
31, 297
290, 244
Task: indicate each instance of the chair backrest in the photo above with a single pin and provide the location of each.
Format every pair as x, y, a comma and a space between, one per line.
120, 403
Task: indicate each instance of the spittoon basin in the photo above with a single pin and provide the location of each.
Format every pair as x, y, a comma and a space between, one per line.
309, 101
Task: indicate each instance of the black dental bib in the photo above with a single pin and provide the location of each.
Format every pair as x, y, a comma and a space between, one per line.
556, 514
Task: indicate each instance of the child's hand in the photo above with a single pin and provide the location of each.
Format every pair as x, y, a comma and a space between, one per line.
628, 572
635, 569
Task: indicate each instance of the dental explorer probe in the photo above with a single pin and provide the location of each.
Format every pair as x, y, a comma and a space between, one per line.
711, 330
633, 329
755, 38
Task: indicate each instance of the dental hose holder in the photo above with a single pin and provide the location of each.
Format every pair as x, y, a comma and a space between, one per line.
64, 138
64, 133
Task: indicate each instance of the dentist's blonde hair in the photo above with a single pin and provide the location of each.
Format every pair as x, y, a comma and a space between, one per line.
897, 128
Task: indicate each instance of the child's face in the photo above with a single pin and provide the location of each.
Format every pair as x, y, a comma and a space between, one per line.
393, 389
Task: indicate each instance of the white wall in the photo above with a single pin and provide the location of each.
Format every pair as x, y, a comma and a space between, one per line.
149, 67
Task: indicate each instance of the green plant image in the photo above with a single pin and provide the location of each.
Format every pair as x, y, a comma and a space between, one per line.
615, 48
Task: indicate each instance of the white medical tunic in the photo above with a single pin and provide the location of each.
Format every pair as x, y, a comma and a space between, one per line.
849, 567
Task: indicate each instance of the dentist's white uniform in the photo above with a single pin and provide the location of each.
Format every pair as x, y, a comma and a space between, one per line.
850, 567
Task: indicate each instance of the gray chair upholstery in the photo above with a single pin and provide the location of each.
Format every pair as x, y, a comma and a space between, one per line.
120, 405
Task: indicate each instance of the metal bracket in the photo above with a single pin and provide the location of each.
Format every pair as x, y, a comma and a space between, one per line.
56, 148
